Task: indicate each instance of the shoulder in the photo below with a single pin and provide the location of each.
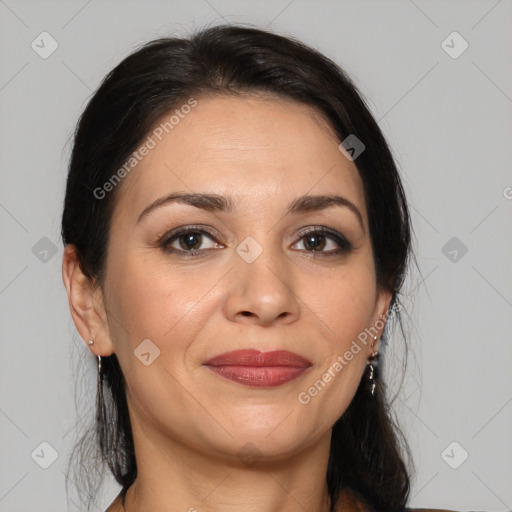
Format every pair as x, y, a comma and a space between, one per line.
116, 505
429, 510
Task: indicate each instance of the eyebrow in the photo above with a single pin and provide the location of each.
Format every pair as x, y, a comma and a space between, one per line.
218, 203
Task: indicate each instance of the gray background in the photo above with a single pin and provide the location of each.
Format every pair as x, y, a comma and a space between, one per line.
448, 121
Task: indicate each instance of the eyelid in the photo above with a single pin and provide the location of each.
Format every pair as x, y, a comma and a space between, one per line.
167, 235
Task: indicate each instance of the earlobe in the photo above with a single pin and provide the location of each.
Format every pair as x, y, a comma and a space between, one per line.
86, 304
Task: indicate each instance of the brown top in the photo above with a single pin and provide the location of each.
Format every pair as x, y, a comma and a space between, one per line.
347, 502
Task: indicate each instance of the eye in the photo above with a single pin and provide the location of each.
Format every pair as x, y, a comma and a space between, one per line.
190, 241
316, 240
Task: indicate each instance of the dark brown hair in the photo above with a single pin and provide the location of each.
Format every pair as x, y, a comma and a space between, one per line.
367, 446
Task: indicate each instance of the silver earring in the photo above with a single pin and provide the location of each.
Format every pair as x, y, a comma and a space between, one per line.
373, 358
90, 342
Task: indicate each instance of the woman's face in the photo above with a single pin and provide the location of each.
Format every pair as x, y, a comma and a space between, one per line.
244, 277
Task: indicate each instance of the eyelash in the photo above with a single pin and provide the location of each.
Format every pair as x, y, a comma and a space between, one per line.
345, 247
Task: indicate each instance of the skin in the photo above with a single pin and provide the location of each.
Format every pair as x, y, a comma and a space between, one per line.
188, 422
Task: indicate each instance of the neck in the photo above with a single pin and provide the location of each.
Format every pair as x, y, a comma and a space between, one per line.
171, 476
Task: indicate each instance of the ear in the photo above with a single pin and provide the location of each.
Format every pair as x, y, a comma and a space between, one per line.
379, 318
86, 303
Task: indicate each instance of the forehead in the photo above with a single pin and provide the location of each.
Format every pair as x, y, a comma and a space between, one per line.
250, 147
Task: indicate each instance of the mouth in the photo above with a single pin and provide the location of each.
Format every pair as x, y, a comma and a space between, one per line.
259, 369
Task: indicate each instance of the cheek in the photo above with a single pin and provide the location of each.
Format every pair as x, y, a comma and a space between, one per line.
157, 301
345, 307
344, 302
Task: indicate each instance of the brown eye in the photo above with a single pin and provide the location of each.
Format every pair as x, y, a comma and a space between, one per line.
316, 240
190, 241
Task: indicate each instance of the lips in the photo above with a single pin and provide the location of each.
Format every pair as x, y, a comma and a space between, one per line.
258, 359
259, 369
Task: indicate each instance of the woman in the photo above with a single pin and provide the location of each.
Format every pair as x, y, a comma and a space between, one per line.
236, 237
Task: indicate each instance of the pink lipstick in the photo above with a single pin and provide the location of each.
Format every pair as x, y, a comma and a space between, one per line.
259, 369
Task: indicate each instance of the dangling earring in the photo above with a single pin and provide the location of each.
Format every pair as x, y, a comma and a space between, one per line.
373, 359
90, 342
99, 391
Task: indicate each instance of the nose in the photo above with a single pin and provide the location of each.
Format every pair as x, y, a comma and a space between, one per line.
262, 292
